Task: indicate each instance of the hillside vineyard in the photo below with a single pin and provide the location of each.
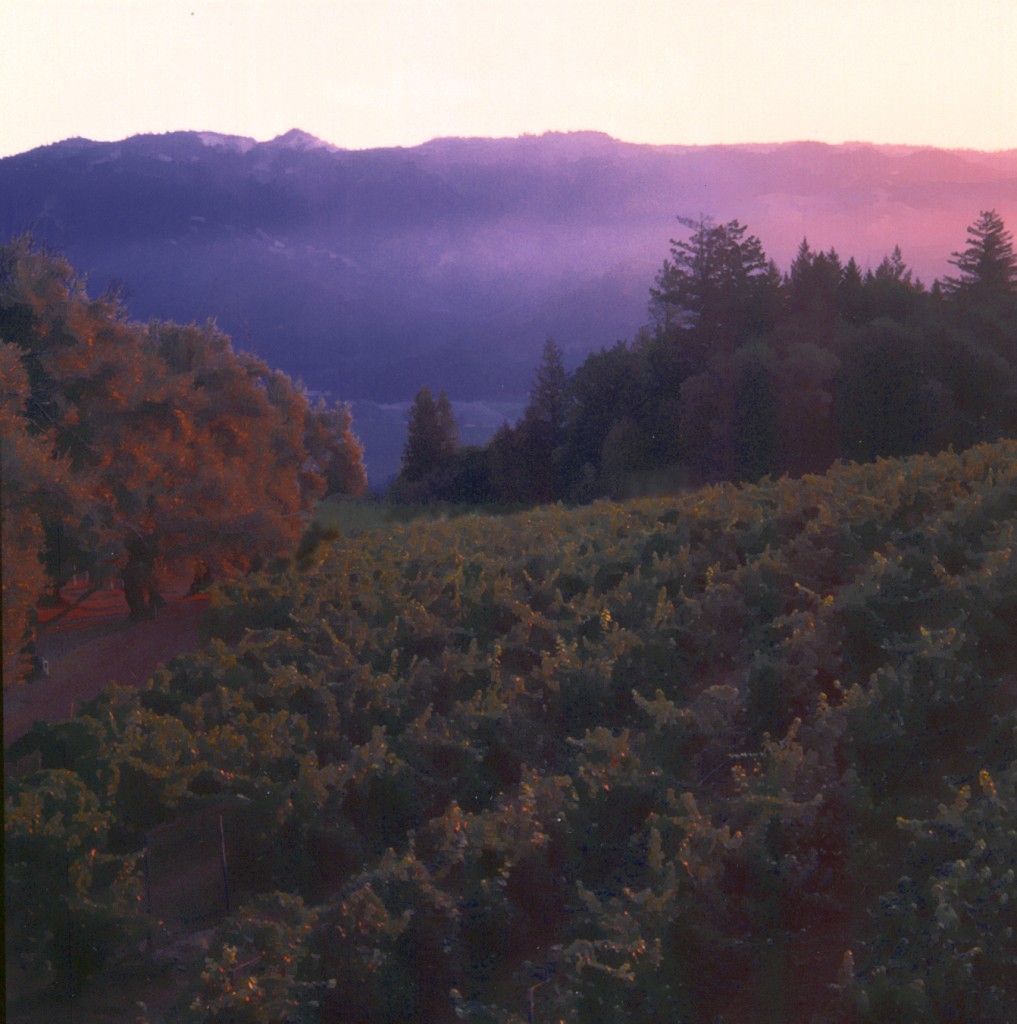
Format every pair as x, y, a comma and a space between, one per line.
747, 753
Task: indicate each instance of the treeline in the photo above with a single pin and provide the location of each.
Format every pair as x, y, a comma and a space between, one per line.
127, 446
746, 372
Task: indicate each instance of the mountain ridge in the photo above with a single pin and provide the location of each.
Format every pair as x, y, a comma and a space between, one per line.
368, 273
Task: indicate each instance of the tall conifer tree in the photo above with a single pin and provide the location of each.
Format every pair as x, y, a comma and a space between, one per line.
988, 266
431, 436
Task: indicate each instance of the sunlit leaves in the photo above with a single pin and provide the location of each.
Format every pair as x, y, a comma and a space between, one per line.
132, 445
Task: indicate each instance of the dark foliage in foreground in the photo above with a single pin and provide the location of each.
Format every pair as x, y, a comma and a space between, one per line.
747, 753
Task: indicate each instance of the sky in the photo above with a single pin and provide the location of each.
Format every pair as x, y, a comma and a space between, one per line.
367, 73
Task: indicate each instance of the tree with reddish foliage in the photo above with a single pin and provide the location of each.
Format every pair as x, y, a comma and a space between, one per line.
35, 485
181, 450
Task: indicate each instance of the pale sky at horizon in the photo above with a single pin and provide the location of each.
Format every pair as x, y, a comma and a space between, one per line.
366, 73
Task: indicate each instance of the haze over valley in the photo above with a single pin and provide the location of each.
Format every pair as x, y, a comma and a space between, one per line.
370, 273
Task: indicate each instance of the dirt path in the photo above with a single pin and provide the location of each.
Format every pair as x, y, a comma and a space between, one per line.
96, 644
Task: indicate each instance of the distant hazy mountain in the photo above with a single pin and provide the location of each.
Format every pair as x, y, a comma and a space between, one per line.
370, 273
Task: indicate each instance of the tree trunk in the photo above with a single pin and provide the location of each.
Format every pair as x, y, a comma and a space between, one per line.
140, 589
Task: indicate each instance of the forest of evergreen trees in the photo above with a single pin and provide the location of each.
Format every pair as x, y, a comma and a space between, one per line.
745, 372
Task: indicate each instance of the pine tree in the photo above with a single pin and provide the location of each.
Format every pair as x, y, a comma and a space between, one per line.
889, 291
988, 266
851, 293
813, 285
893, 268
714, 286
431, 436
542, 430
448, 429
549, 395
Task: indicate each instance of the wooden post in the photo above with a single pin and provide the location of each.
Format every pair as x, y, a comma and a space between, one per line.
531, 1017
148, 877
149, 941
72, 988
225, 867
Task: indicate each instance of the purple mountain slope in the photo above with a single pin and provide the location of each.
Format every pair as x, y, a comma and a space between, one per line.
369, 273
